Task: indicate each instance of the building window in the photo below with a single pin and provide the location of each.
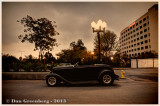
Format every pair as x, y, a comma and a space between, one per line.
142, 43
140, 21
136, 23
149, 40
141, 37
135, 54
134, 44
148, 28
137, 43
148, 22
131, 45
149, 46
141, 32
133, 26
140, 26
134, 35
138, 48
138, 54
144, 19
145, 35
146, 47
145, 30
137, 38
136, 29
146, 41
134, 49
128, 29
141, 48
147, 17
134, 40
149, 34
137, 33
144, 24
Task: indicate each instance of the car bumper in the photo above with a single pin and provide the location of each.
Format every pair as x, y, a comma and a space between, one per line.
116, 77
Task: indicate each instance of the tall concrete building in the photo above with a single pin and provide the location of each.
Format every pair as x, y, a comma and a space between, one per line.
142, 35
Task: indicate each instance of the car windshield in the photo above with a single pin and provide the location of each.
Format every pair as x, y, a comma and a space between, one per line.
65, 65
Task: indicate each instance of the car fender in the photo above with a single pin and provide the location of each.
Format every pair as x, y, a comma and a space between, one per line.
104, 71
60, 77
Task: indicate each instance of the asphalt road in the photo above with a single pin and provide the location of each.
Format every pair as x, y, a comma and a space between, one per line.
139, 87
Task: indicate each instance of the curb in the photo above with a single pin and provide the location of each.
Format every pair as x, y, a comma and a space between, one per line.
24, 75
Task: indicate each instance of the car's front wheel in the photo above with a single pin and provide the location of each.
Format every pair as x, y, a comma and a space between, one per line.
106, 79
51, 80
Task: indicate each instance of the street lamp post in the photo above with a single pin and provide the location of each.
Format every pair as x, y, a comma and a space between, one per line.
98, 27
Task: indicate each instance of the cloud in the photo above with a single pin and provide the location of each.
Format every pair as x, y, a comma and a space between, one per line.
72, 18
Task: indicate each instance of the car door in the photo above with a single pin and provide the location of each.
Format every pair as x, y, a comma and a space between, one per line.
85, 73
68, 73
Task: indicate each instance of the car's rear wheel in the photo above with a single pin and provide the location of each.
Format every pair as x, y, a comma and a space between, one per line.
106, 79
51, 80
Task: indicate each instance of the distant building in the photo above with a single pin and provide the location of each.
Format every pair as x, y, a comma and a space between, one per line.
142, 35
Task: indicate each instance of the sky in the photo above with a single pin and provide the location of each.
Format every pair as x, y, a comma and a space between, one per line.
73, 20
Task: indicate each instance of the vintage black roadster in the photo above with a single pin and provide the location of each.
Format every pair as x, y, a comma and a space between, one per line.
73, 74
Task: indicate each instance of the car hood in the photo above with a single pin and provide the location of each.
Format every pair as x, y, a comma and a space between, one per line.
63, 67
84, 66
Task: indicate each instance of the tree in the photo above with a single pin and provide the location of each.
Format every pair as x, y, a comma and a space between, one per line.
125, 61
41, 32
148, 55
9, 62
78, 50
117, 59
49, 58
30, 57
107, 42
66, 56
76, 53
79, 45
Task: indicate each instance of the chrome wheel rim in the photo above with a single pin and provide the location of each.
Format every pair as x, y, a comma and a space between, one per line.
51, 80
107, 79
